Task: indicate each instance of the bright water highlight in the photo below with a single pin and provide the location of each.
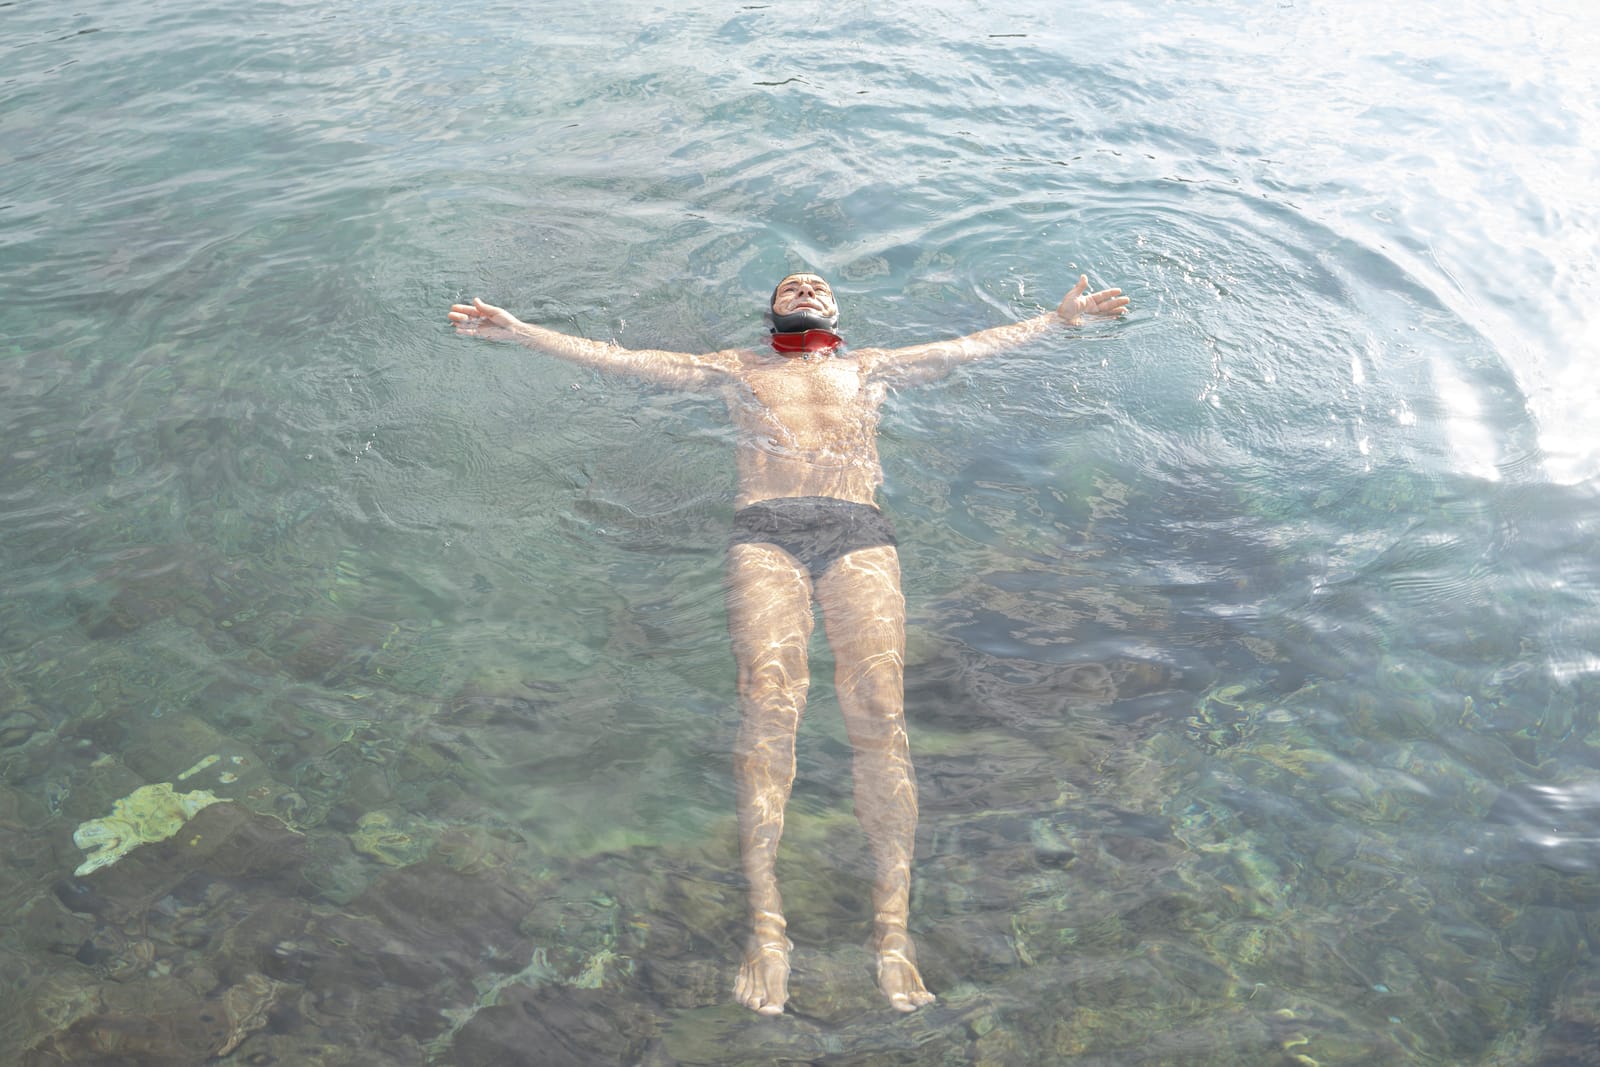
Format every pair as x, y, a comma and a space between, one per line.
1252, 686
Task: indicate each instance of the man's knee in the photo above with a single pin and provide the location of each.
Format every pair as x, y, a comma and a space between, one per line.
775, 677
877, 680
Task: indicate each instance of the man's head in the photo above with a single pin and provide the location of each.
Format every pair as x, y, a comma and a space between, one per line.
803, 302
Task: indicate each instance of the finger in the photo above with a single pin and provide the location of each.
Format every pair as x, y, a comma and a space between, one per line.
1081, 287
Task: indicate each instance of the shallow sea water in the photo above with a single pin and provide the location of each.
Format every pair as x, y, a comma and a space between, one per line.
1252, 689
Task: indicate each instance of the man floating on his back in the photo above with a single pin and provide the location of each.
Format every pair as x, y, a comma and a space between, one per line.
807, 530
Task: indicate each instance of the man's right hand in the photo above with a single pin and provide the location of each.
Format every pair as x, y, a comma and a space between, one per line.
478, 319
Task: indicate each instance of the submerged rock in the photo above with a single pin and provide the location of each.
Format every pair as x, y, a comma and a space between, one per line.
566, 1025
1572, 1035
159, 1020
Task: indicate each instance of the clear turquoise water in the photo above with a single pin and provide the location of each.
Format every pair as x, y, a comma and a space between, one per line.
1253, 690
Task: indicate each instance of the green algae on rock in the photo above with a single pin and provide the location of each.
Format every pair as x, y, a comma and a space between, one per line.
391, 841
150, 813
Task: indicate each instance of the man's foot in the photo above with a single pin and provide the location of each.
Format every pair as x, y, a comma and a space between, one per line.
763, 982
897, 973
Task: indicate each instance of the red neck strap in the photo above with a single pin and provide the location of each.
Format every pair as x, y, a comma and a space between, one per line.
810, 341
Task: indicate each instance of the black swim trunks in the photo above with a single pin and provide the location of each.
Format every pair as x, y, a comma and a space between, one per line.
816, 530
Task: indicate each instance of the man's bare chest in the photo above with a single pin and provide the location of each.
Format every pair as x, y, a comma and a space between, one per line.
830, 386
808, 405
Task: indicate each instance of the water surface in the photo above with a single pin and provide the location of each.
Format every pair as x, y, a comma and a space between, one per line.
1252, 689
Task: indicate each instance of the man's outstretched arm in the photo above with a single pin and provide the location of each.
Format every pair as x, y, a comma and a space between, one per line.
927, 360
479, 319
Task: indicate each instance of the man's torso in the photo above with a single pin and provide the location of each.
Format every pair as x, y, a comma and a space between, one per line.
806, 428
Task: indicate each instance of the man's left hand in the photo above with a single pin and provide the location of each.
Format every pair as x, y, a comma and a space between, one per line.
1106, 304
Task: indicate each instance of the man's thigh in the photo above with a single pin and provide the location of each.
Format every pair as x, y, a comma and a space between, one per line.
769, 605
863, 608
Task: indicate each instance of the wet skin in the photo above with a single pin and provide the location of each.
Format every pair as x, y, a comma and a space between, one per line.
808, 428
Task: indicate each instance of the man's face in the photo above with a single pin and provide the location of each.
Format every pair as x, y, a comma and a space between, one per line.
804, 292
